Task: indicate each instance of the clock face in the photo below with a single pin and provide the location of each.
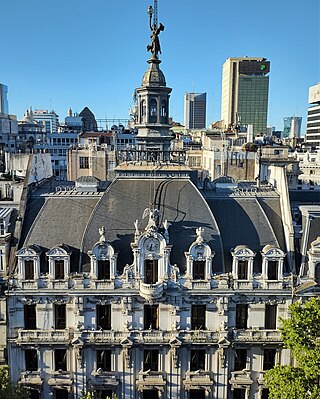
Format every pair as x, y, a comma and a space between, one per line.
152, 244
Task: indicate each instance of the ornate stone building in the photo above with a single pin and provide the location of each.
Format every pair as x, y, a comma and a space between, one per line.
149, 287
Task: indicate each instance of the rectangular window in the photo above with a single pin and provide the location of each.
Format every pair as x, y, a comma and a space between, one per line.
59, 269
61, 394
103, 270
103, 393
104, 359
150, 394
239, 394
103, 317
197, 394
151, 317
269, 359
198, 317
270, 321
29, 269
150, 271
272, 270
31, 358
265, 393
197, 359
30, 319
150, 360
199, 269
241, 316
240, 359
243, 270
60, 359
60, 317
34, 394
2, 227
84, 162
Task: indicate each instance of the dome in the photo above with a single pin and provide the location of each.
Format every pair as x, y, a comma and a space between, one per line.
154, 76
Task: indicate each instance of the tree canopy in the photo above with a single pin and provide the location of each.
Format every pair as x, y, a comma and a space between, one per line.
8, 390
301, 334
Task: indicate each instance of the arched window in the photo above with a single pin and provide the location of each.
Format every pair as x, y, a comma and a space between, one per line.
143, 111
153, 111
163, 109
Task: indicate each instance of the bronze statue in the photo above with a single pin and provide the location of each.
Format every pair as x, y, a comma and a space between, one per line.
154, 47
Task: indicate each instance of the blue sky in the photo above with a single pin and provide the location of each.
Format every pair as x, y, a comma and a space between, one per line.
57, 54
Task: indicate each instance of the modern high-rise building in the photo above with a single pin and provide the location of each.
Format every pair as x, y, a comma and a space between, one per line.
4, 108
50, 120
312, 137
245, 89
195, 105
292, 127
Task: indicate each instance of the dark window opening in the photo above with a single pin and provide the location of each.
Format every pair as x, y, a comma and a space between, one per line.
60, 359
240, 359
317, 273
265, 393
199, 269
31, 358
197, 394
197, 359
269, 359
241, 315
103, 270
243, 270
30, 318
103, 394
60, 317
103, 317
272, 270
34, 394
239, 394
151, 317
150, 394
104, 359
153, 111
198, 317
151, 360
150, 271
29, 269
270, 321
59, 270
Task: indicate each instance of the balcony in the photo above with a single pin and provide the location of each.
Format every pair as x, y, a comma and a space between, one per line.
31, 378
151, 290
248, 336
102, 337
60, 379
153, 337
194, 379
240, 379
151, 380
104, 378
43, 336
243, 285
199, 336
103, 285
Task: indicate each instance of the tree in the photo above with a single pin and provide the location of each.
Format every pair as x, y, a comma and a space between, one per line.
90, 395
301, 334
8, 390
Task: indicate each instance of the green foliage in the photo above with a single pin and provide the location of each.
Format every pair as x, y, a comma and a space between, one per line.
301, 334
90, 395
8, 390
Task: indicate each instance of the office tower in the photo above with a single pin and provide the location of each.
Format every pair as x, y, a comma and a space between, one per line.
312, 138
245, 89
4, 108
50, 120
292, 127
195, 110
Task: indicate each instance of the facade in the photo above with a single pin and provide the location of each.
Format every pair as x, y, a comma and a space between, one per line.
49, 120
312, 137
4, 107
195, 106
245, 90
148, 287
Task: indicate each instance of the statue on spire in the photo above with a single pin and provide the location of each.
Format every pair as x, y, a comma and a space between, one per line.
154, 47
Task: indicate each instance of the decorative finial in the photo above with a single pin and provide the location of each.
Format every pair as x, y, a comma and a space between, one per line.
102, 232
154, 47
200, 232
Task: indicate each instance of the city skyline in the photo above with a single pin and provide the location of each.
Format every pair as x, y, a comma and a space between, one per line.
94, 56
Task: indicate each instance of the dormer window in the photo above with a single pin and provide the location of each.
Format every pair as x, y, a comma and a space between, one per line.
272, 270
151, 271
59, 270
242, 270
29, 269
272, 263
242, 265
199, 270
103, 269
